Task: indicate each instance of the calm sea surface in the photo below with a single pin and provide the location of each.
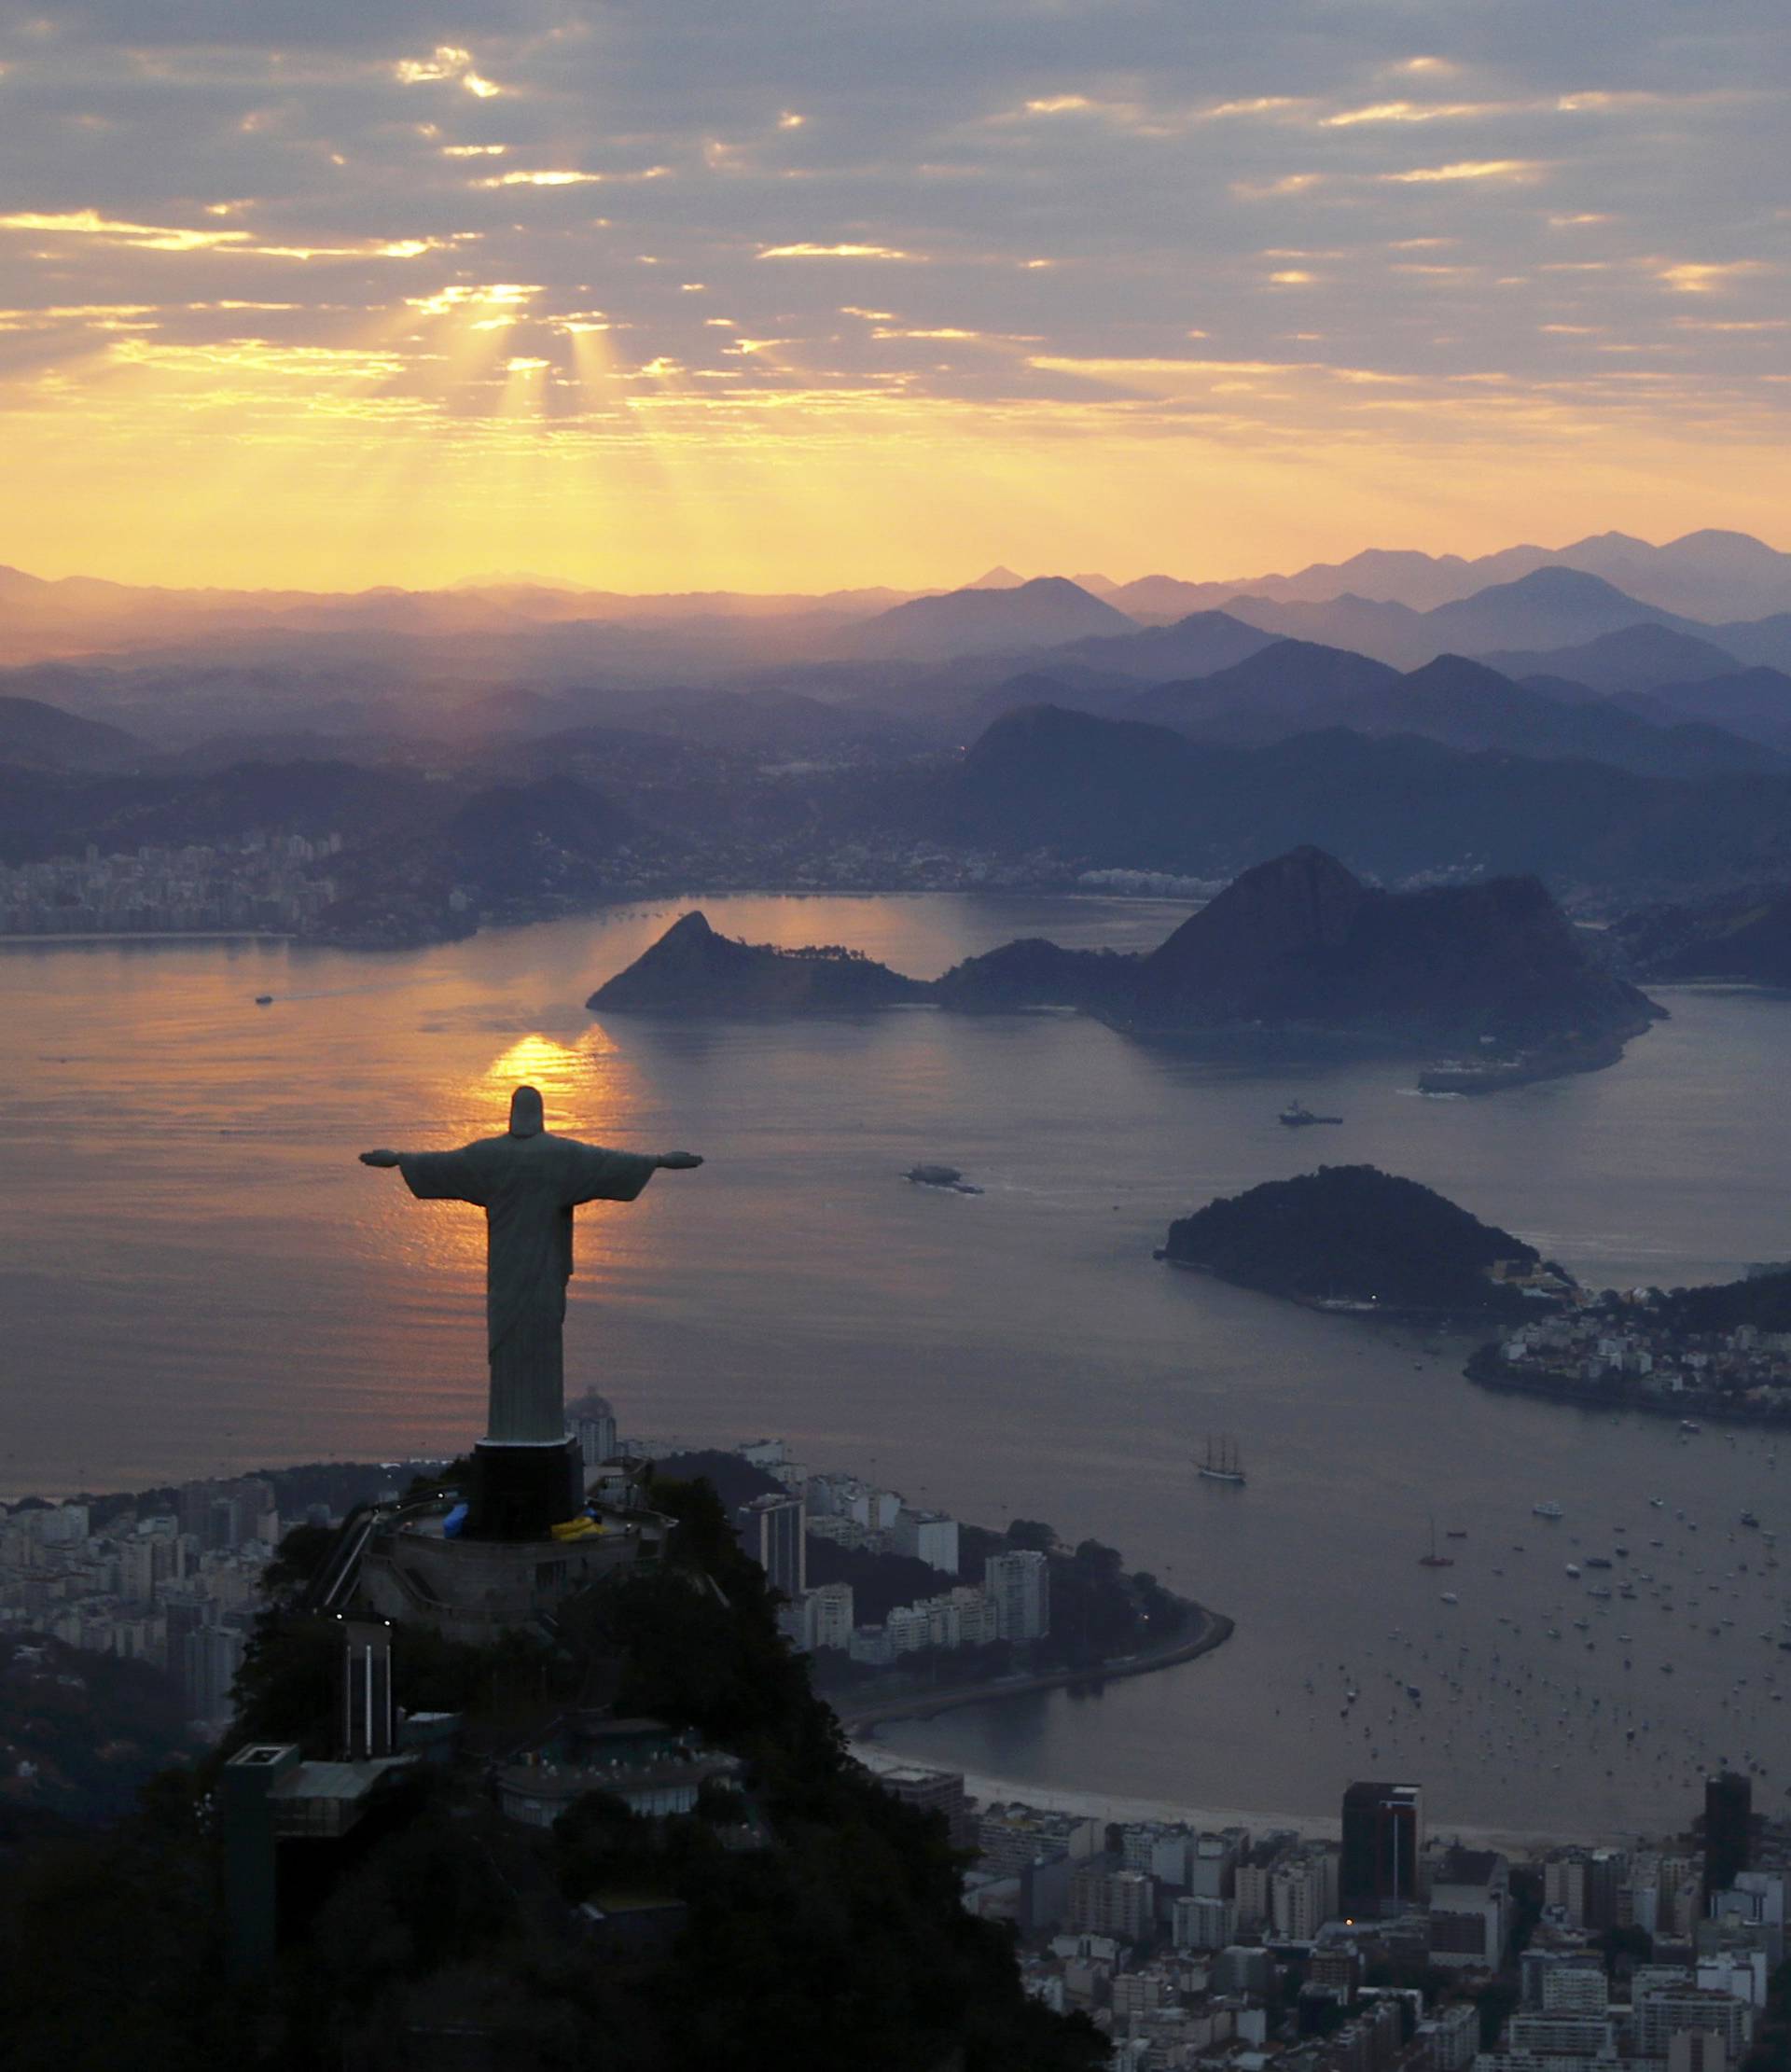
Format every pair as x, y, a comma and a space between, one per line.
196, 1275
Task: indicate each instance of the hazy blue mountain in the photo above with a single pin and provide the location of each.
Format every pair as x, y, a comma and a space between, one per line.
1765, 642
1282, 688
1043, 613
1745, 936
1104, 692
1709, 576
1388, 633
1466, 705
1294, 687
1548, 608
36, 734
1191, 646
1118, 793
1753, 702
1631, 658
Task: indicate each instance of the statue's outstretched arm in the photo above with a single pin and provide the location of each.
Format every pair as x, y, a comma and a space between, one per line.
677, 1162
380, 1158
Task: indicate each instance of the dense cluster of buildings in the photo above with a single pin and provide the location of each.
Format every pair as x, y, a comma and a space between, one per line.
265, 885
1634, 1352
178, 1588
1373, 1952
1011, 1603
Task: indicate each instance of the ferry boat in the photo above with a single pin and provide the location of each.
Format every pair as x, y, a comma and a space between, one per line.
1297, 1114
1547, 1510
1222, 1463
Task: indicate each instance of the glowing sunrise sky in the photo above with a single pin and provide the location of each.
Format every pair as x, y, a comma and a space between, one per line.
785, 294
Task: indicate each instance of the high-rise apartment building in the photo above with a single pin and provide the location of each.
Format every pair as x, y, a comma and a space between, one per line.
1729, 1821
1384, 1837
772, 1530
1019, 1586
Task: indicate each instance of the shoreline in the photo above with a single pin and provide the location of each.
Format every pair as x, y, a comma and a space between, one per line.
1363, 1312
1214, 1630
1100, 1805
1493, 1374
61, 939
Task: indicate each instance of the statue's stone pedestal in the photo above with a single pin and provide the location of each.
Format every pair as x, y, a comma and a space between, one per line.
520, 1491
475, 1590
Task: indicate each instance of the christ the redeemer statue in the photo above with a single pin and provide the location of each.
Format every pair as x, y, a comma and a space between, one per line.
528, 1182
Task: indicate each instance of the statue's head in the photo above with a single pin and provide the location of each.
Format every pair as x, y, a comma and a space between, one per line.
527, 1116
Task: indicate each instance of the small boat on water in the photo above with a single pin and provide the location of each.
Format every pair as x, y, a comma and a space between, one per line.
1549, 1508
1297, 1114
1432, 1559
264, 999
1689, 1424
1223, 1462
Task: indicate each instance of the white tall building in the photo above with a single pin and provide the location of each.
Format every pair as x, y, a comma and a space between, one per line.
827, 1617
928, 1536
1303, 1894
1661, 2016
1019, 1586
592, 1422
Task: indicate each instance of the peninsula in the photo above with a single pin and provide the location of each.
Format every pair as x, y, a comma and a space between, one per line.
1297, 949
1721, 1352
1353, 1239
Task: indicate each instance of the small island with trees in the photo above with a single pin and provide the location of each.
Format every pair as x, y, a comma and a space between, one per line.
1353, 1239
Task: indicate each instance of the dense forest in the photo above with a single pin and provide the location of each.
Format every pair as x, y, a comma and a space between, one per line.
1353, 1233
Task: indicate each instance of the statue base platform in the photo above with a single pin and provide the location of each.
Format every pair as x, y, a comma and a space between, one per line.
520, 1491
476, 1590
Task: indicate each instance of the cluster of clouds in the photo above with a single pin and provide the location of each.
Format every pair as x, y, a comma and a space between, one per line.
1252, 223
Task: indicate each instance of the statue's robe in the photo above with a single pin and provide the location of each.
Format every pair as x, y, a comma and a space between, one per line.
528, 1187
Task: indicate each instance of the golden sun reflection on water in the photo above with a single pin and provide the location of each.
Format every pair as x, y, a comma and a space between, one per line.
582, 1083
585, 1085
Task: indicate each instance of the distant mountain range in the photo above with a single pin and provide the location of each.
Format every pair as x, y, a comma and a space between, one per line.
35, 735
1122, 794
1048, 612
1745, 939
1704, 574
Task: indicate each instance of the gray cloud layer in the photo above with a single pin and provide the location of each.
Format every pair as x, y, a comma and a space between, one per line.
1253, 217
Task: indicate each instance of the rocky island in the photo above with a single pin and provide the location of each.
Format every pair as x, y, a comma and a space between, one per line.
693, 969
1298, 948
1353, 1239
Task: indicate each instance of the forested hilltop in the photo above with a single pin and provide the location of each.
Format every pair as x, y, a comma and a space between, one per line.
1353, 1235
812, 1917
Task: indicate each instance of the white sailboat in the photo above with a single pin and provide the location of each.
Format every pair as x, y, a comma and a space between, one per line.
1223, 1462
